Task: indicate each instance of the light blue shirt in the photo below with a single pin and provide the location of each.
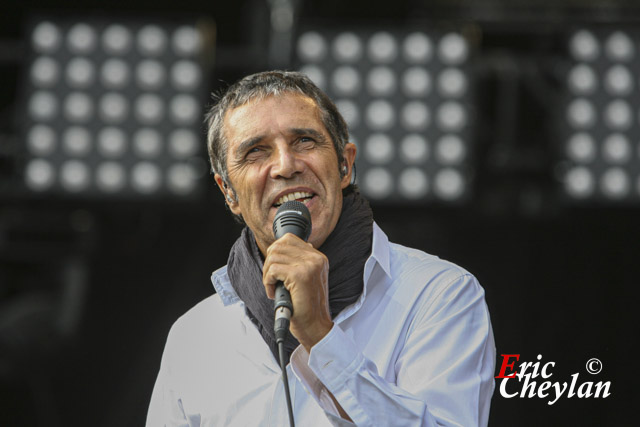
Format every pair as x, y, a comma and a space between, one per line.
416, 349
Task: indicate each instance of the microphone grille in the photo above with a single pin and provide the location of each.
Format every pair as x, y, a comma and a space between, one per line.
292, 217
294, 205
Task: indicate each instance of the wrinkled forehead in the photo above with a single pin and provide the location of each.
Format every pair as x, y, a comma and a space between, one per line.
262, 93
289, 102
255, 98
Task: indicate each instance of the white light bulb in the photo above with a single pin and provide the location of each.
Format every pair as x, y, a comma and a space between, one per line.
149, 109
381, 81
41, 140
453, 49
146, 178
414, 149
43, 106
181, 179
110, 177
449, 184
147, 143
74, 176
46, 37
413, 183
311, 47
112, 142
186, 41
416, 82
114, 108
579, 182
380, 115
581, 114
347, 48
117, 39
619, 47
452, 83
382, 48
151, 40
582, 80
45, 72
185, 75
81, 38
78, 107
614, 183
115, 73
581, 148
417, 48
616, 149
377, 183
76, 141
183, 143
379, 149
345, 81
150, 74
415, 116
39, 175
584, 46
450, 150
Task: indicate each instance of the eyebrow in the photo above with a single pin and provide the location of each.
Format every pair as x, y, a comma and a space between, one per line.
308, 131
247, 144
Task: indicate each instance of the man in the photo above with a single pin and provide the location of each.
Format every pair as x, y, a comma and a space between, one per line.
381, 335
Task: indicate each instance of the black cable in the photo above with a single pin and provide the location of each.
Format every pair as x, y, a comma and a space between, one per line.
285, 380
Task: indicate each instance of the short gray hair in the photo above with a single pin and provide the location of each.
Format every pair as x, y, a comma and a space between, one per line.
260, 86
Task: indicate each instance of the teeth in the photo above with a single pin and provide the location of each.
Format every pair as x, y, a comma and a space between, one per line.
293, 196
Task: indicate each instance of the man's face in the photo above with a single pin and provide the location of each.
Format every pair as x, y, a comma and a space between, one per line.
279, 150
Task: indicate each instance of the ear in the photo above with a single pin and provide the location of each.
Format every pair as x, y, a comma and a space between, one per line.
227, 192
349, 155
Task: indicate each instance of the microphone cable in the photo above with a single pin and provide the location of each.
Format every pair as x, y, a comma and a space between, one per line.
285, 380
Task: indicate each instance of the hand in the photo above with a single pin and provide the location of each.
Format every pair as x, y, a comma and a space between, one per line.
305, 273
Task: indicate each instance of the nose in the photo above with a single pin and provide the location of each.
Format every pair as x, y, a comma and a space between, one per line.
285, 163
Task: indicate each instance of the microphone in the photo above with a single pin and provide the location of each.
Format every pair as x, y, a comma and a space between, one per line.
291, 217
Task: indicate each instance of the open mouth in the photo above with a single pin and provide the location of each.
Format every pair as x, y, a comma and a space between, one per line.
300, 196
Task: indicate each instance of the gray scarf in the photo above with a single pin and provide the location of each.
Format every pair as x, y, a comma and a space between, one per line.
347, 248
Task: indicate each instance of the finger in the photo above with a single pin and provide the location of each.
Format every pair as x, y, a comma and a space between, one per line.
289, 244
277, 273
289, 254
290, 267
270, 290
292, 238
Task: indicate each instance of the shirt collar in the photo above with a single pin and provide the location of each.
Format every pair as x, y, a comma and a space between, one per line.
223, 287
380, 250
379, 256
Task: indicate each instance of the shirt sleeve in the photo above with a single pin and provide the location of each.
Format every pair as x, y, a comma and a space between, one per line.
443, 372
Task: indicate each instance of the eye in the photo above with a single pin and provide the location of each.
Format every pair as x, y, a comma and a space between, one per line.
306, 141
254, 153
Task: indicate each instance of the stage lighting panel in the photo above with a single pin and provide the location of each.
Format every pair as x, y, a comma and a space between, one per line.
600, 125
113, 108
406, 96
